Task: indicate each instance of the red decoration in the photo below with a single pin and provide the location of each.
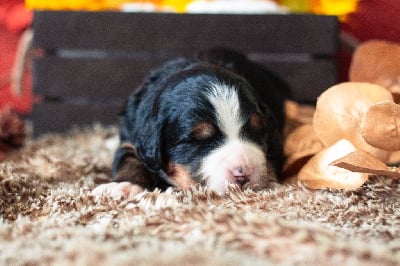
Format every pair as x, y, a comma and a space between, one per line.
14, 20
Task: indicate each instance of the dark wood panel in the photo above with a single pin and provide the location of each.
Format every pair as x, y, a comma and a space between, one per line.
307, 80
185, 33
93, 78
117, 78
94, 60
59, 117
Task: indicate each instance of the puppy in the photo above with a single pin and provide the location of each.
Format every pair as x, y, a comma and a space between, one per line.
214, 119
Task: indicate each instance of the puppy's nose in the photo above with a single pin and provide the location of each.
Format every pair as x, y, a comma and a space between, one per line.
240, 175
238, 171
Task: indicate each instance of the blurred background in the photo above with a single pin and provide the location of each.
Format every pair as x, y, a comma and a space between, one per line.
360, 20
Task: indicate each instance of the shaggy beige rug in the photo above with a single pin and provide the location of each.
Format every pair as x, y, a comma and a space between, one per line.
49, 217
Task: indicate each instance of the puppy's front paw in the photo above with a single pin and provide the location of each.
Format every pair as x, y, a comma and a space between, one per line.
123, 190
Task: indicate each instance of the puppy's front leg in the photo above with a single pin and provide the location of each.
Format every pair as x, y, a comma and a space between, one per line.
130, 176
128, 168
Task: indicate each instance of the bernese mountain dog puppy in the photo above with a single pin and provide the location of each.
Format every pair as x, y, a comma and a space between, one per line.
215, 119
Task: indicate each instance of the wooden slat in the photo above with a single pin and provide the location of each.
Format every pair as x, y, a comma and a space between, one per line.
58, 117
93, 78
185, 33
117, 78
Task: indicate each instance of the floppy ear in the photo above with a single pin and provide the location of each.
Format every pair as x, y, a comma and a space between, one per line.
148, 145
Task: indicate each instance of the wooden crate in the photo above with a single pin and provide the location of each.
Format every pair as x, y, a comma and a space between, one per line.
91, 61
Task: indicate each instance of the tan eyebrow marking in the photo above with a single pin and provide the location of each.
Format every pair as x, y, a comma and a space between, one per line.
203, 130
256, 121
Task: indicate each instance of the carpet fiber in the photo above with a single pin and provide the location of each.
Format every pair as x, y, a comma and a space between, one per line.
48, 216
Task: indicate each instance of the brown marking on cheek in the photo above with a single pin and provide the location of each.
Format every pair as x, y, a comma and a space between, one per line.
180, 176
203, 130
256, 121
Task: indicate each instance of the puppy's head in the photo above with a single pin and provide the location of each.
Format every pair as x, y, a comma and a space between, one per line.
211, 130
